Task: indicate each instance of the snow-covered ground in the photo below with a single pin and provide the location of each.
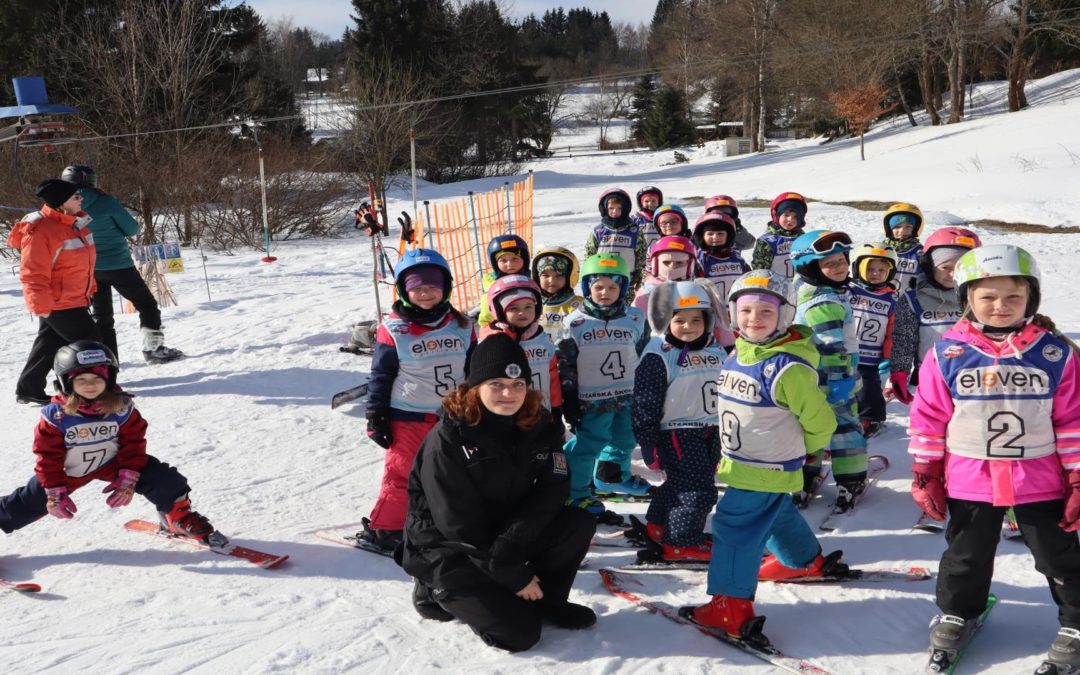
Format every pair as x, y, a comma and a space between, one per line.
246, 417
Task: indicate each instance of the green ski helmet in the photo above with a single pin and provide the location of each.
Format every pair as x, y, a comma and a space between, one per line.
997, 260
605, 265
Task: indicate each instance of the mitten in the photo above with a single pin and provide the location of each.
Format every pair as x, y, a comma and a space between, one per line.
651, 457
928, 488
1070, 522
811, 469
378, 428
59, 504
122, 488
840, 390
884, 369
572, 414
899, 382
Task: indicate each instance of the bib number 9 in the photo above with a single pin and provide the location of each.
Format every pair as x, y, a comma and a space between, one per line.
729, 431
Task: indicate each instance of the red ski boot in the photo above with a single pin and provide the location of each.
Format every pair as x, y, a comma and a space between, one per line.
735, 616
655, 532
821, 566
702, 551
183, 522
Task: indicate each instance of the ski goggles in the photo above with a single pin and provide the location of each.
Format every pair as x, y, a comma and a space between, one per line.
832, 242
898, 219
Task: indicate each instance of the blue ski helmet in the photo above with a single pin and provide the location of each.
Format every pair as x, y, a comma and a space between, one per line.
508, 242
815, 245
422, 257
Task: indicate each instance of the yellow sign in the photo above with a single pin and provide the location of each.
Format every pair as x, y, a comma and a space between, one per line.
174, 265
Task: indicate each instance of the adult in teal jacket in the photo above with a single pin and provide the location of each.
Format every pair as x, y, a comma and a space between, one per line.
111, 226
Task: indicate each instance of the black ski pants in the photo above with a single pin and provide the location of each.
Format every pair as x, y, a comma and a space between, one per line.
870, 397
967, 565
687, 496
160, 483
502, 619
130, 285
61, 327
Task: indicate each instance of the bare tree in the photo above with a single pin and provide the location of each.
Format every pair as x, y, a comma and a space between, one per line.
612, 100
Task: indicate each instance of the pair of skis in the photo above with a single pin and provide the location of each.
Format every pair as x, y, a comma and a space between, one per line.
1010, 529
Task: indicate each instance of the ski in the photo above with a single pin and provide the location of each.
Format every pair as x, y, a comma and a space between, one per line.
804, 497
875, 466
1010, 529
616, 583
354, 540
622, 498
927, 524
19, 586
348, 396
869, 574
941, 660
257, 558
616, 539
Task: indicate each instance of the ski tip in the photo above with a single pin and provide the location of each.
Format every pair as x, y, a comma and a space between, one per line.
27, 588
276, 562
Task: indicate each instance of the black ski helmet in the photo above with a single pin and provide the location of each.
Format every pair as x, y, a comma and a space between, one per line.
83, 355
81, 175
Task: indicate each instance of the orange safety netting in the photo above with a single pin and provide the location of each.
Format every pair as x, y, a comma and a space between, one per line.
460, 230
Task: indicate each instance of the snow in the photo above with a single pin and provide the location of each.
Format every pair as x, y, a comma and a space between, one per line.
246, 418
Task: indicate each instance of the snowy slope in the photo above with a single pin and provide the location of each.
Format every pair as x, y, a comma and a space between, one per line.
246, 418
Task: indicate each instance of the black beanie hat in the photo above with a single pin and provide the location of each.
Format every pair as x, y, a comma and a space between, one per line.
498, 355
55, 192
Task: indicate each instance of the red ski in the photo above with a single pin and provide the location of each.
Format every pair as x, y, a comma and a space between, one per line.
20, 587
258, 558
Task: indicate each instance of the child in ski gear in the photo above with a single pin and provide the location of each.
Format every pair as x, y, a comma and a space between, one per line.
788, 212
668, 221
507, 254
820, 258
773, 418
903, 227
648, 199
674, 417
514, 301
421, 355
92, 431
598, 350
618, 234
671, 258
928, 308
996, 423
873, 304
489, 539
112, 225
555, 271
729, 207
721, 263
56, 268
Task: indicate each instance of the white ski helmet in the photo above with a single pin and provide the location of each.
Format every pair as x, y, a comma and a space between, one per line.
675, 296
997, 260
769, 283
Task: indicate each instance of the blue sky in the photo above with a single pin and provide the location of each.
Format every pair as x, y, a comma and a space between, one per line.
332, 16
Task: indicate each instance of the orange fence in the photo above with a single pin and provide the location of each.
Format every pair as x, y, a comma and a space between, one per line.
460, 230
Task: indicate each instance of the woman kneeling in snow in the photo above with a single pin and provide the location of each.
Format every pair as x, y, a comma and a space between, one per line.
488, 537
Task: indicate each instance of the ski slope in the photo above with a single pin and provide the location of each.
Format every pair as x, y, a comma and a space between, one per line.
246, 418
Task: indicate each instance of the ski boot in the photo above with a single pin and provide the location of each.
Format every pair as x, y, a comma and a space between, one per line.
821, 566
597, 509
847, 493
181, 521
379, 541
568, 615
1064, 654
735, 616
608, 482
154, 349
640, 533
871, 428
426, 605
948, 635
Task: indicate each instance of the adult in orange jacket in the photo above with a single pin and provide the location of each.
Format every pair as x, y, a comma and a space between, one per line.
56, 268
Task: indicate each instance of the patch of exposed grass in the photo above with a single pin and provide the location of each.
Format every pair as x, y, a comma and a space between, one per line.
1002, 226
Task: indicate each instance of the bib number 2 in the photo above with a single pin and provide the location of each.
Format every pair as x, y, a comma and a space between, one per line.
1008, 428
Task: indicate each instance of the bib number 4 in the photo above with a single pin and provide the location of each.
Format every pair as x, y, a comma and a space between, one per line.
613, 366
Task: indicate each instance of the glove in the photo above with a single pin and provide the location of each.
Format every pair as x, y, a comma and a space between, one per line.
122, 488
651, 457
884, 369
59, 504
1070, 522
572, 414
378, 428
840, 390
899, 382
928, 488
556, 416
811, 469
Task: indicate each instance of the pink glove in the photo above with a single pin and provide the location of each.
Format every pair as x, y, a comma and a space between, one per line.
899, 382
928, 489
1071, 520
122, 488
59, 504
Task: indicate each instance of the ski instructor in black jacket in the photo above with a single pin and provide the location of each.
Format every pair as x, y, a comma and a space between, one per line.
488, 537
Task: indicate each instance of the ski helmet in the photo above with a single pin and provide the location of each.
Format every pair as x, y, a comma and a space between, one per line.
606, 265
673, 244
507, 290
81, 175
723, 204
571, 270
621, 195
714, 221
948, 237
868, 252
80, 357
769, 283
815, 245
903, 213
671, 208
508, 242
675, 296
422, 257
796, 199
649, 190
997, 260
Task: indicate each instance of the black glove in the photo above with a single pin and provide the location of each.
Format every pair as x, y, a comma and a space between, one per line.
378, 428
811, 469
572, 414
557, 416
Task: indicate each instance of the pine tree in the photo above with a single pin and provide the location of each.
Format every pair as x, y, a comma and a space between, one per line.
641, 103
666, 125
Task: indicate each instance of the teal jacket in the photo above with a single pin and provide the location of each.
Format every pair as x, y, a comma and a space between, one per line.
111, 225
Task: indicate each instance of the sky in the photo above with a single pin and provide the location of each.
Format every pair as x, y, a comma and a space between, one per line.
333, 16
